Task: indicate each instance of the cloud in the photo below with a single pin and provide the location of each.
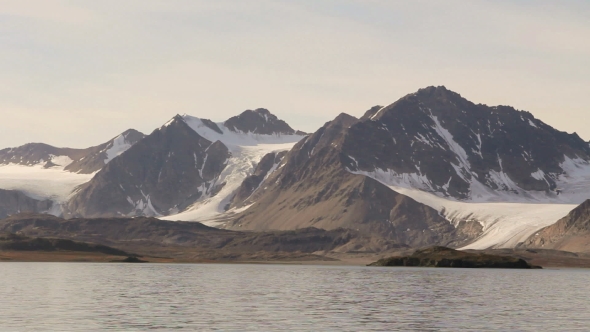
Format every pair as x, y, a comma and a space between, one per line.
113, 65
56, 11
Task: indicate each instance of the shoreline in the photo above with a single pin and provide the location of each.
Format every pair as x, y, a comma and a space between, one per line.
337, 259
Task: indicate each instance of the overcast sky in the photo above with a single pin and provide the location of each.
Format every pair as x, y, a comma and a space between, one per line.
76, 73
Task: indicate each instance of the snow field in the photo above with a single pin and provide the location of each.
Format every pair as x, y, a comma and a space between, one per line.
40, 183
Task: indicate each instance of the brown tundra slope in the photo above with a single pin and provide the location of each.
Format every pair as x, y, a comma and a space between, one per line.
571, 233
176, 238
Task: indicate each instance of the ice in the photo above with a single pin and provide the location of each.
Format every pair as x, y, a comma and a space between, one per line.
41, 183
239, 166
119, 146
247, 149
504, 224
508, 214
62, 161
234, 139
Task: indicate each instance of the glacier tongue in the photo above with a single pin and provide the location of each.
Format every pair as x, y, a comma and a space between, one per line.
247, 150
42, 183
504, 224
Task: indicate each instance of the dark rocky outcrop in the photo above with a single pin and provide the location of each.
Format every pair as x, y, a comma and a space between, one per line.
129, 259
446, 257
14, 242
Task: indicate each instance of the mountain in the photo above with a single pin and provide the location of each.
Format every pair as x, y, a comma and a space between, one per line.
189, 166
437, 141
163, 172
571, 233
84, 161
431, 168
46, 173
311, 188
259, 121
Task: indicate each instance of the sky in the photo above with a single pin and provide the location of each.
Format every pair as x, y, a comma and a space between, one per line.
77, 73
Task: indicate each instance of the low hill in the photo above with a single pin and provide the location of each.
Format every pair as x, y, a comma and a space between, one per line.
16, 242
571, 233
157, 237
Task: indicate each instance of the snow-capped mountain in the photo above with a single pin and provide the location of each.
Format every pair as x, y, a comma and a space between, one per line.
439, 142
48, 174
495, 174
188, 169
260, 121
431, 168
82, 161
312, 188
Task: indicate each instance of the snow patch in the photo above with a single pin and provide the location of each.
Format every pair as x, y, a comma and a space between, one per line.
119, 145
532, 124
62, 161
236, 139
377, 113
453, 145
538, 175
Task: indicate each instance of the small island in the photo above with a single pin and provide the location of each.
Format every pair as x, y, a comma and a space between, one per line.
447, 257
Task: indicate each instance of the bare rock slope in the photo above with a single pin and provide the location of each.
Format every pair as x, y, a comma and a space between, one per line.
571, 233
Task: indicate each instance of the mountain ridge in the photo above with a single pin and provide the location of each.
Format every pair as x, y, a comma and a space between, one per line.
432, 168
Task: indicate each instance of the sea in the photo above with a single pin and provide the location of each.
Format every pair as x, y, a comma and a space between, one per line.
266, 297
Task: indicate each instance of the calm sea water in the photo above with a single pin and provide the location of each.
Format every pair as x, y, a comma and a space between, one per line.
194, 297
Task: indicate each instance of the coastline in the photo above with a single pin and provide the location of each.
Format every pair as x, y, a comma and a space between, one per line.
549, 260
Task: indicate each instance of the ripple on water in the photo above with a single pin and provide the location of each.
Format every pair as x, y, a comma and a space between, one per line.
139, 297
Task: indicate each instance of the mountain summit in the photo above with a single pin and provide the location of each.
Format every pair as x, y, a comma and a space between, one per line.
258, 121
190, 166
431, 156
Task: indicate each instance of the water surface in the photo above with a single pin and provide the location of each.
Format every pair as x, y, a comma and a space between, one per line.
195, 297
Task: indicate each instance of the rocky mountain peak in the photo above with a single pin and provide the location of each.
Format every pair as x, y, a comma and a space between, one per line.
438, 141
164, 172
258, 121
83, 161
344, 120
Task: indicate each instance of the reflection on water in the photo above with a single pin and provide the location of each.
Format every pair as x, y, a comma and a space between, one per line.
120, 297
